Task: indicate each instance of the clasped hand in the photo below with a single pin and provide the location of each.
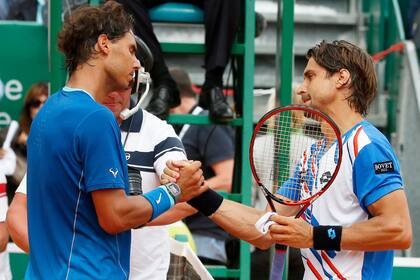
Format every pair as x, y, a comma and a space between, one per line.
188, 175
292, 232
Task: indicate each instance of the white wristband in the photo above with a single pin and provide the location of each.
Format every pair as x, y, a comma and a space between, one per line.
264, 223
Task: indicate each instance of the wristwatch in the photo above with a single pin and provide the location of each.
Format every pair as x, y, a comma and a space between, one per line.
174, 190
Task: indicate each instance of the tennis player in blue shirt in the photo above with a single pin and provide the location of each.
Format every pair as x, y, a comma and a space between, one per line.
79, 216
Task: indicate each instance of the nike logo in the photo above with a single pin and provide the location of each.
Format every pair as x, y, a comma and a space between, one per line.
159, 199
114, 173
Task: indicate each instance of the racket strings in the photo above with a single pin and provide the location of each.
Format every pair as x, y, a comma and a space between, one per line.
294, 154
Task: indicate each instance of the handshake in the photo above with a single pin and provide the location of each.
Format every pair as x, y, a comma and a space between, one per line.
187, 175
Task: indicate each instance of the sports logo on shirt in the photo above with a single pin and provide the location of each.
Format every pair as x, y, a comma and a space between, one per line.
325, 178
114, 172
383, 167
127, 156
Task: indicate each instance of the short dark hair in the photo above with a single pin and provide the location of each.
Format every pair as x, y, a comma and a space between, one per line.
82, 28
183, 82
341, 54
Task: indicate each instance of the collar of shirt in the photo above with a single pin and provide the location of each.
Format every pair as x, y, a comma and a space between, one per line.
69, 89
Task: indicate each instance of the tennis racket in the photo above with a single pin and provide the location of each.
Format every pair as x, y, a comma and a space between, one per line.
296, 153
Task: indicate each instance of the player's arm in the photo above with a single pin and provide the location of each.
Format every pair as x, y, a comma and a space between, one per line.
17, 221
237, 219
118, 212
221, 181
389, 228
175, 152
380, 191
179, 212
223, 170
4, 236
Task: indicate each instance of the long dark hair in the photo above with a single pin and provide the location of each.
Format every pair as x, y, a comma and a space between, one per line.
34, 92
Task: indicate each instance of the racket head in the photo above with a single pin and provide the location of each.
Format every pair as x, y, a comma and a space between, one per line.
281, 140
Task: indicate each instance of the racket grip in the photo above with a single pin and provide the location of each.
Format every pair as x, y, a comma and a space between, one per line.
277, 265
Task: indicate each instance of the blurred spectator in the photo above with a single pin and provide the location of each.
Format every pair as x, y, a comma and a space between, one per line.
412, 18
22, 10
4, 9
33, 10
35, 98
221, 19
66, 6
4, 234
213, 146
7, 166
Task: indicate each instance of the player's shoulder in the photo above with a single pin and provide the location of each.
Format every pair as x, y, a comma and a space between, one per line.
366, 136
372, 135
373, 132
99, 114
78, 101
96, 117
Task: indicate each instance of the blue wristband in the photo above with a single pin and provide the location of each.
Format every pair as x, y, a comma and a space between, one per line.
161, 201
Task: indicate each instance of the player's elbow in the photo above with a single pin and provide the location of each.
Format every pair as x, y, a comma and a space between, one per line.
115, 220
403, 236
110, 226
111, 211
406, 241
110, 222
16, 221
12, 222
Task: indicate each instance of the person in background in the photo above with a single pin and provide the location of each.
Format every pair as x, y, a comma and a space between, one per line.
221, 20
4, 233
4, 9
22, 10
213, 145
411, 26
66, 7
7, 165
35, 98
148, 143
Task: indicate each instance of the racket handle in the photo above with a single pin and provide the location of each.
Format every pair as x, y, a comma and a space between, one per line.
277, 265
